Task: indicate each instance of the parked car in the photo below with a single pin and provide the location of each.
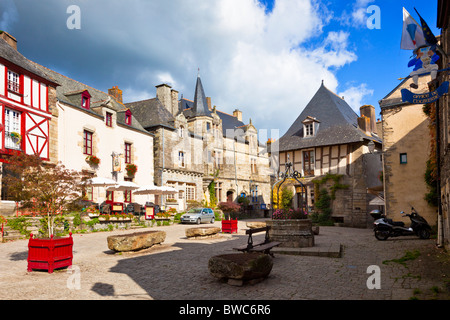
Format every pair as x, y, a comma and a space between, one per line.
198, 215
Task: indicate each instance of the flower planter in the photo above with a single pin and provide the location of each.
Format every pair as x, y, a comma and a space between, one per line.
229, 226
292, 233
49, 254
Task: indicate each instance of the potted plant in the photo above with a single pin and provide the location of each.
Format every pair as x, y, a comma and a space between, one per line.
230, 208
131, 169
93, 160
45, 189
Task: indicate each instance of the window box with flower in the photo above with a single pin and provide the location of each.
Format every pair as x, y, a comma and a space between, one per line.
131, 169
93, 160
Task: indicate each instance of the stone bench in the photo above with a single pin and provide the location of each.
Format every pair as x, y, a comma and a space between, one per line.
240, 268
135, 241
202, 232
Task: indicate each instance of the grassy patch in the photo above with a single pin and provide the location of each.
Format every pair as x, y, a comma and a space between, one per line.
409, 255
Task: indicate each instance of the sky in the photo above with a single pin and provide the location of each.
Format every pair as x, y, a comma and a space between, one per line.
266, 58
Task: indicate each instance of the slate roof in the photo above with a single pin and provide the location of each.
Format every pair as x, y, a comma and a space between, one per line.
338, 124
12, 55
69, 92
200, 107
151, 113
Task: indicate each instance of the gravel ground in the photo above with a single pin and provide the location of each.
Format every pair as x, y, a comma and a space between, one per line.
178, 270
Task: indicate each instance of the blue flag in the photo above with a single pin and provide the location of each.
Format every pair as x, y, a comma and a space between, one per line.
429, 36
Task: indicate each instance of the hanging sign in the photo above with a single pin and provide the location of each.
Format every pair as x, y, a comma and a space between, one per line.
116, 163
423, 98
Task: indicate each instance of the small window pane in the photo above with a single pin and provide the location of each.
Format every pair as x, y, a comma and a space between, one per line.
403, 158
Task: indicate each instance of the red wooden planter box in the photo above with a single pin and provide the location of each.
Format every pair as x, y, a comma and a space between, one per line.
229, 226
49, 254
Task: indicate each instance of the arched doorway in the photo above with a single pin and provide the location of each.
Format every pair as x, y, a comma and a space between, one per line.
230, 196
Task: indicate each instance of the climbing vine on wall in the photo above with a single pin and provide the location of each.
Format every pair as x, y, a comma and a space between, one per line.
431, 169
336, 186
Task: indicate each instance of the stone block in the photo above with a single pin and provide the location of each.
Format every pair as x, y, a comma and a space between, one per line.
135, 241
201, 232
240, 268
255, 224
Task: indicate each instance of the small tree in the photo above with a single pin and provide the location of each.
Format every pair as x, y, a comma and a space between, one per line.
45, 188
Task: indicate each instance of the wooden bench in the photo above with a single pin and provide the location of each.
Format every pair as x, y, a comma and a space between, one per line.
263, 247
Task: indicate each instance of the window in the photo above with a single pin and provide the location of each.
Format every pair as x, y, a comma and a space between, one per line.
127, 193
87, 142
181, 132
88, 194
181, 159
108, 119
128, 117
309, 129
110, 196
255, 194
308, 163
85, 100
403, 158
218, 190
190, 192
13, 81
13, 130
173, 185
127, 152
253, 166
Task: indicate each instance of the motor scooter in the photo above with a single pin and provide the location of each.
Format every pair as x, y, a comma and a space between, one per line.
385, 228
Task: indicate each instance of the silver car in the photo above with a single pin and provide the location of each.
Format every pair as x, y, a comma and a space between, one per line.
198, 215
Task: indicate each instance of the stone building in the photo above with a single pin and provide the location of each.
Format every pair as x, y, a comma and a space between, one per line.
443, 105
26, 106
328, 137
406, 150
196, 144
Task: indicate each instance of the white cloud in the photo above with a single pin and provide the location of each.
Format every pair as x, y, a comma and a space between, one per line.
267, 65
358, 16
354, 96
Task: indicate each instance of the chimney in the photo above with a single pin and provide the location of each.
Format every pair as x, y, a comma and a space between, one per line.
9, 39
174, 100
237, 114
164, 95
369, 112
116, 93
208, 102
364, 124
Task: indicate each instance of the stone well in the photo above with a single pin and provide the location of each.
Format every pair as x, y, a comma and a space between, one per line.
292, 233
135, 241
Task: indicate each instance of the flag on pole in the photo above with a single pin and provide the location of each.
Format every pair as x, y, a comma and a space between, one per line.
429, 36
412, 35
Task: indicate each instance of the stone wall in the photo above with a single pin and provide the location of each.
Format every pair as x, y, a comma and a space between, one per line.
405, 131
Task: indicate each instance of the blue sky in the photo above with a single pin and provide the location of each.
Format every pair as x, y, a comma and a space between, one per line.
264, 57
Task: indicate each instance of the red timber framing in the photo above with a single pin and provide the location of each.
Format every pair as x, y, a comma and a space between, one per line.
31, 101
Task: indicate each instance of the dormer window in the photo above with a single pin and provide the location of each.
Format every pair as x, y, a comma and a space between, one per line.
310, 126
128, 117
309, 129
85, 100
108, 119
